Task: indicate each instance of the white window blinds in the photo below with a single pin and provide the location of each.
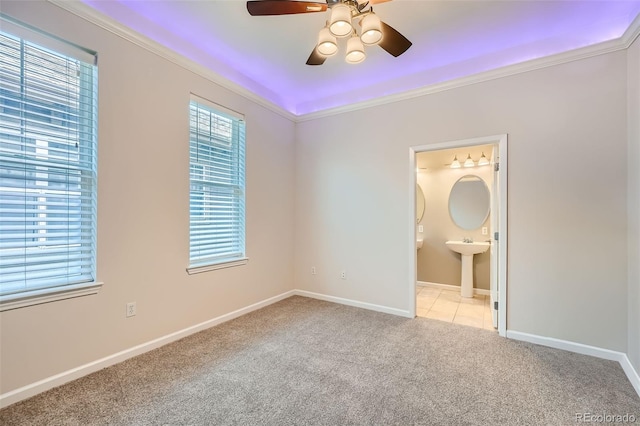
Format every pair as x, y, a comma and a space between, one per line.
48, 168
217, 183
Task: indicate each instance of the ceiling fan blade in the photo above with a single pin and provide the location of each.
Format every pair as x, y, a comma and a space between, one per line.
392, 41
283, 7
316, 58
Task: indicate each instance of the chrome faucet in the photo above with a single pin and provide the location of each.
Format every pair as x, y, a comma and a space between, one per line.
467, 240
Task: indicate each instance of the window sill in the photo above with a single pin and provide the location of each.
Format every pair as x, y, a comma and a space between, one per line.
220, 265
47, 295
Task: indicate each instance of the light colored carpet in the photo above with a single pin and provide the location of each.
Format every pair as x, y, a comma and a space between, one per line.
306, 362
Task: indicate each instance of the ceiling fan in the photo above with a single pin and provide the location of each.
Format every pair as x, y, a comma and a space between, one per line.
340, 25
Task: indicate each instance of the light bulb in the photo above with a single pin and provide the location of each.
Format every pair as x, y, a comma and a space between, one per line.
355, 51
371, 29
483, 161
469, 162
340, 24
327, 45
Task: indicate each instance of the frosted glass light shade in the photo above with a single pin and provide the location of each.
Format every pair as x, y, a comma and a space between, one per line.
340, 23
327, 45
371, 29
469, 162
355, 51
456, 163
483, 161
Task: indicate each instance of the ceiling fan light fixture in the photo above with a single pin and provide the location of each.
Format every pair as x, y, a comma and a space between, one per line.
371, 29
327, 44
355, 51
340, 23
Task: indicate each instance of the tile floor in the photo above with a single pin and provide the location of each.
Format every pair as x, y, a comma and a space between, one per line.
448, 305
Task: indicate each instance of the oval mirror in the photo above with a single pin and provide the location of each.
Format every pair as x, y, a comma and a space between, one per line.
419, 203
469, 202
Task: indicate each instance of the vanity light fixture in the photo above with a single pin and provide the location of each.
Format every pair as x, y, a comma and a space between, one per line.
469, 162
456, 163
483, 161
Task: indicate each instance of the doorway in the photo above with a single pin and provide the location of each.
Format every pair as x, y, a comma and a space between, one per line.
497, 224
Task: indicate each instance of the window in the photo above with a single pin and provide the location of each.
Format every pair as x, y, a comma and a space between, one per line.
216, 178
48, 169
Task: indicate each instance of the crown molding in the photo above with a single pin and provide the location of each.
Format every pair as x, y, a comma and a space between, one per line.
632, 33
89, 14
621, 43
86, 12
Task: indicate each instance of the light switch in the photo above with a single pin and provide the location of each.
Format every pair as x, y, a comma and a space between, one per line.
420, 228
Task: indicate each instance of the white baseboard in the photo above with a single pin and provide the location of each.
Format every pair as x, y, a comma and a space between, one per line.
32, 389
450, 287
632, 373
355, 303
579, 348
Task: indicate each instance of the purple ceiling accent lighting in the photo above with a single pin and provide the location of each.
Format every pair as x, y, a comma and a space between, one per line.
164, 24
265, 55
476, 49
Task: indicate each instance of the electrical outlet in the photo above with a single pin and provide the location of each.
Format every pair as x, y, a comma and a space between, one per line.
485, 231
313, 270
131, 309
343, 275
420, 228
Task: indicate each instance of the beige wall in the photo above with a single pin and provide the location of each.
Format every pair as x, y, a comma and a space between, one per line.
567, 250
435, 262
633, 192
568, 148
143, 216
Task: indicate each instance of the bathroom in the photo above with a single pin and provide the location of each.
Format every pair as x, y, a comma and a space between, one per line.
441, 177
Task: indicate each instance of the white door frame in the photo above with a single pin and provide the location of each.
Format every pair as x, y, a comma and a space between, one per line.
501, 141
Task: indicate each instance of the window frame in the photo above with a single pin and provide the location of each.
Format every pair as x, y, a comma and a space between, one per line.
71, 287
237, 142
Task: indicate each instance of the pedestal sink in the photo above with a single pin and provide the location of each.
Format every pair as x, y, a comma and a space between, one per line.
467, 250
